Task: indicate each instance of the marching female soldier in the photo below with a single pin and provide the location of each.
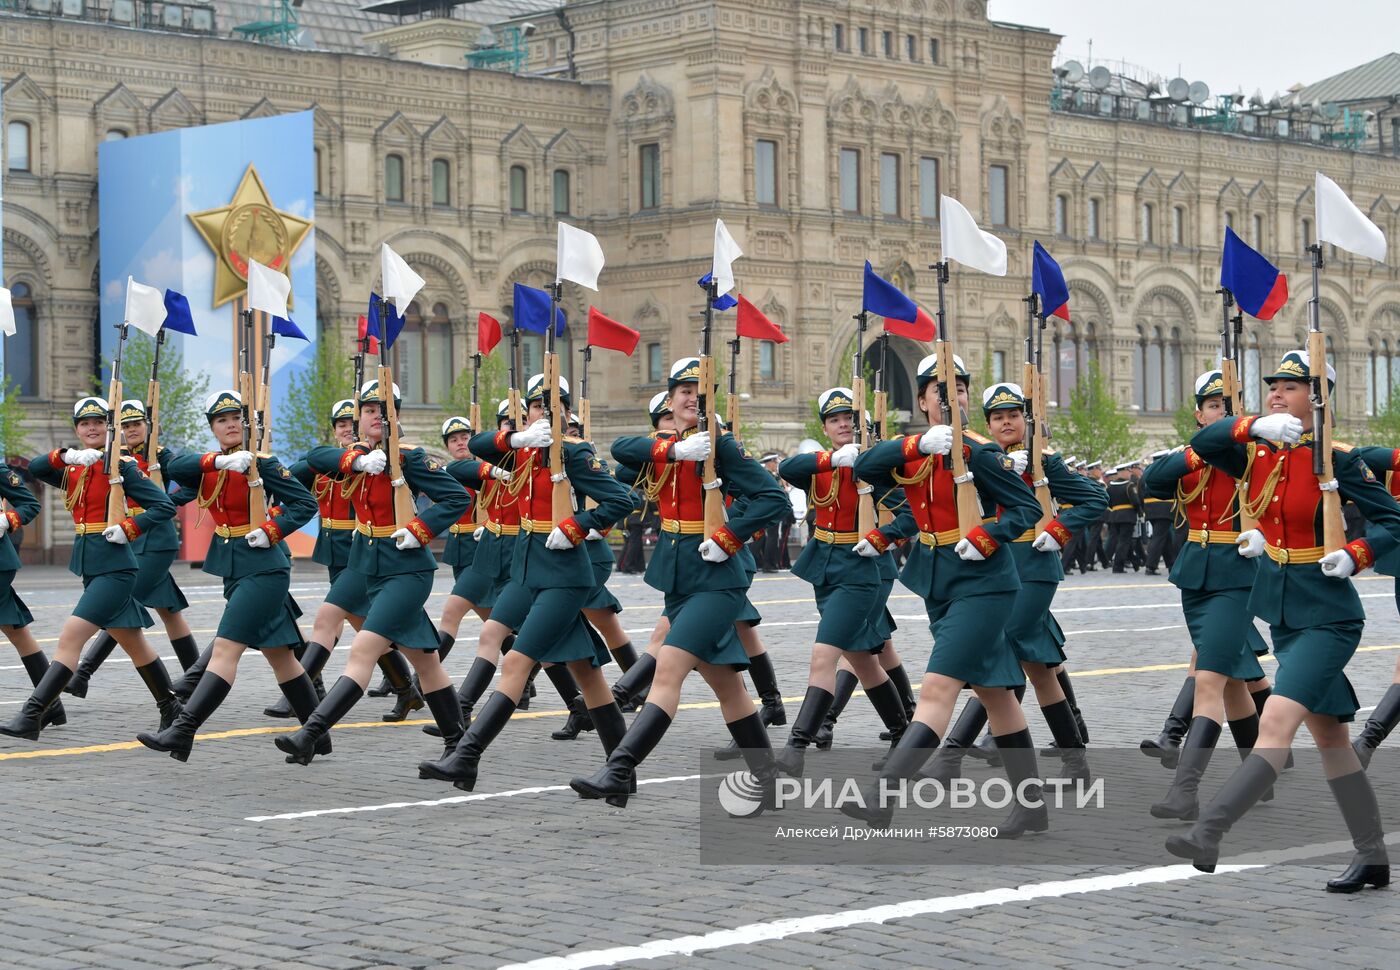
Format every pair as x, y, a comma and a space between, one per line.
969, 585
1313, 613
255, 569
155, 554
1215, 579
1383, 462
103, 558
14, 615
703, 581
841, 564
551, 580
399, 572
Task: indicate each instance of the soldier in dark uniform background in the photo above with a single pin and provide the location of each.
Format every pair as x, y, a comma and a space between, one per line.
1124, 507
1160, 514
1094, 553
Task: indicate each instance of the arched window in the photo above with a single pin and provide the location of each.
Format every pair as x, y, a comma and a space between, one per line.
22, 349
518, 186
1178, 225
423, 355
1249, 374
899, 386
1306, 232
1171, 372
1152, 372
1148, 214
442, 182
1062, 215
1067, 372
1257, 231
561, 192
393, 178
1095, 230
767, 360
17, 146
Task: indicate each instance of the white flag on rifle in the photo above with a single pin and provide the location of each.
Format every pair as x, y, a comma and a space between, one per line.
401, 283
1342, 224
145, 307
726, 251
268, 290
966, 242
580, 256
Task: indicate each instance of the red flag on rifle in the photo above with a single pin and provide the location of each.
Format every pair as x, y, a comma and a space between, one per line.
605, 332
752, 323
923, 328
488, 333
373, 340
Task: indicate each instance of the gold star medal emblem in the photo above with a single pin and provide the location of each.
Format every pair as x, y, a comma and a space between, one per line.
250, 227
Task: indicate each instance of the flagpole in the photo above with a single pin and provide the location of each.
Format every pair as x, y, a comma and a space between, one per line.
707, 419
865, 503
152, 405
562, 502
969, 517
1035, 426
513, 380
479, 507
585, 408
1233, 387
733, 410
1333, 530
116, 494
257, 496
883, 516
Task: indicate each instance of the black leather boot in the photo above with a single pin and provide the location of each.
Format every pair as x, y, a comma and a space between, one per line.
529, 692
1245, 731
447, 712
30, 719
469, 691
904, 762
383, 688
446, 642
461, 765
400, 673
93, 658
765, 681
612, 728
1260, 698
157, 681
1379, 725
178, 739
1201, 845
846, 683
1164, 746
888, 703
900, 677
185, 686
1370, 866
302, 700
625, 656
1194, 757
752, 738
578, 719
615, 779
1062, 675
946, 764
633, 685
35, 665
186, 650
300, 746
804, 729
1018, 755
1074, 760
282, 708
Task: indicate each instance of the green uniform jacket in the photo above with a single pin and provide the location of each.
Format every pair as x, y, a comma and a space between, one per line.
26, 507
1088, 501
830, 564
92, 554
459, 549
536, 567
676, 566
163, 537
1298, 594
1381, 461
381, 557
938, 573
332, 548
1213, 566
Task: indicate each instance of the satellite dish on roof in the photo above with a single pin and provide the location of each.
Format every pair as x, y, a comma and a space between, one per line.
1275, 102
1198, 92
1256, 100
1178, 89
1074, 72
1331, 110
1100, 78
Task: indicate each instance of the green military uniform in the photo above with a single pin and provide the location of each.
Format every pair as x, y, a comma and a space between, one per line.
26, 507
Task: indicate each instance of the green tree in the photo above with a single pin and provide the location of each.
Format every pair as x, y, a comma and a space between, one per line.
813, 429
305, 418
1094, 427
1184, 421
180, 412
13, 441
492, 388
1383, 428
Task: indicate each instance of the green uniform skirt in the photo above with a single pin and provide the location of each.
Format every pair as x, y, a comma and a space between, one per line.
850, 616
107, 601
1031, 629
258, 611
884, 623
547, 624
349, 591
1312, 666
472, 586
749, 613
13, 612
969, 642
155, 587
1223, 632
396, 610
702, 624
494, 556
600, 597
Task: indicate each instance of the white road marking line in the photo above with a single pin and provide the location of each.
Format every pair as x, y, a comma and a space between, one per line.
455, 800
780, 929
1127, 629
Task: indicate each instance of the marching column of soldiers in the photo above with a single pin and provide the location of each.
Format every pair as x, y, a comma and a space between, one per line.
1244, 487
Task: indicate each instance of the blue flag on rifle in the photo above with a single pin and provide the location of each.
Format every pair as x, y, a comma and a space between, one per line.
177, 313
284, 327
532, 311
1259, 288
382, 322
884, 299
724, 301
1048, 283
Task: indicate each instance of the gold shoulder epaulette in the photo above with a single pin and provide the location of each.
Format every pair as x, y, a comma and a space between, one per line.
265, 454
575, 441
976, 437
1342, 446
1048, 451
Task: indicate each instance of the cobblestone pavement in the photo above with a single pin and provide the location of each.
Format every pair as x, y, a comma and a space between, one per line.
118, 857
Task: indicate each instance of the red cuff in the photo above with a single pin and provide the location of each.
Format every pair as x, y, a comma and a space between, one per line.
1361, 554
661, 452
823, 461
571, 529
503, 441
877, 539
275, 510
1194, 462
985, 544
206, 461
14, 520
1239, 431
347, 459
130, 528
1059, 533
274, 533
484, 472
911, 448
727, 540
1395, 460
56, 458
420, 531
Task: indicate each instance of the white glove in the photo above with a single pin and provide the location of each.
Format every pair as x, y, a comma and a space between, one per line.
937, 440
694, 448
1019, 461
374, 462
968, 552
1337, 565
500, 474
478, 533
82, 456
4, 524
1147, 530
557, 540
259, 539
1250, 544
537, 435
404, 540
238, 461
845, 456
593, 536
1277, 427
115, 534
152, 468
712, 551
1045, 542
865, 549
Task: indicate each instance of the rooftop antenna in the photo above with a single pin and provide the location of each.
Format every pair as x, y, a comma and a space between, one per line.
1100, 78
1074, 72
1198, 92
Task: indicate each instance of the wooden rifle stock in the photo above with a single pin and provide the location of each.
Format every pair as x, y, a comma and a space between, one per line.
1333, 527
404, 510
865, 502
116, 492
715, 515
561, 495
157, 474
969, 516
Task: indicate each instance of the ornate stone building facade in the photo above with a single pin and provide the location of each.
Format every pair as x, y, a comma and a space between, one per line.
822, 131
